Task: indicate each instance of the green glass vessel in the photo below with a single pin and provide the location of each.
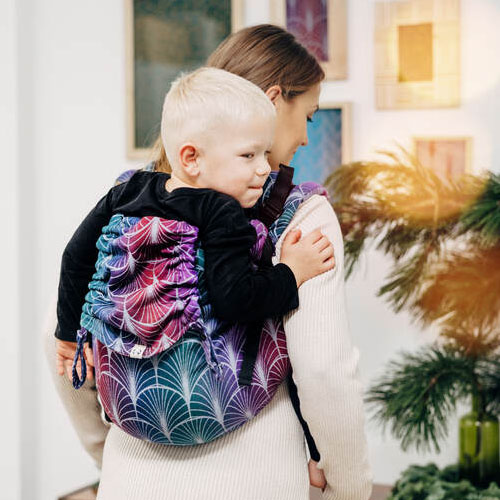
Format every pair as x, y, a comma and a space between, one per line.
479, 446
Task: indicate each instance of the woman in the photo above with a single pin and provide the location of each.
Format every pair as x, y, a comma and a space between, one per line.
266, 458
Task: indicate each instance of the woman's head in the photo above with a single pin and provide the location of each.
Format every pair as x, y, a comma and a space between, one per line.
271, 58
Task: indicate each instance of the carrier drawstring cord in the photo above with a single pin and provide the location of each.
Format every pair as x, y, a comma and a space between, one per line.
81, 338
210, 355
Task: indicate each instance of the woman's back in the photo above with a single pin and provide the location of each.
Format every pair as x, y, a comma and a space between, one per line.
266, 458
263, 460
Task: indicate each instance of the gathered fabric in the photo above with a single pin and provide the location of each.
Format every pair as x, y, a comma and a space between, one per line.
167, 370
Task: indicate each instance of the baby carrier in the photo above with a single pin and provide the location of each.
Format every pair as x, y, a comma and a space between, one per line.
166, 369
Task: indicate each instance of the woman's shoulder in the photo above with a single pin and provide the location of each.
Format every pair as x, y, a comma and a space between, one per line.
316, 208
317, 212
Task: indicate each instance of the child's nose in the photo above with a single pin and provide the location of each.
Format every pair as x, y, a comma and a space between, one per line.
264, 168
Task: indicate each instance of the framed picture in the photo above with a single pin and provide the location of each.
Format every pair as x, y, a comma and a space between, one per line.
164, 38
321, 26
417, 54
449, 157
329, 144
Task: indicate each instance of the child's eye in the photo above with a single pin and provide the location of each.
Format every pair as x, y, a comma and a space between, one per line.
309, 119
248, 155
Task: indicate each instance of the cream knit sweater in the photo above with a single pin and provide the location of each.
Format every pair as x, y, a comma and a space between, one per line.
266, 458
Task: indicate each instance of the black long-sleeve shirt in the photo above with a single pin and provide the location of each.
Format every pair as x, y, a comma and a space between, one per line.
236, 292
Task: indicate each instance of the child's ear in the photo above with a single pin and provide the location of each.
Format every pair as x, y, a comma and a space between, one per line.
189, 159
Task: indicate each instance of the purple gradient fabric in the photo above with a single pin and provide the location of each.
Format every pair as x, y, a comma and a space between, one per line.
166, 368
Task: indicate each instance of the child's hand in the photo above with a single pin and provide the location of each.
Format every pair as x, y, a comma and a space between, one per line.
316, 476
65, 353
309, 256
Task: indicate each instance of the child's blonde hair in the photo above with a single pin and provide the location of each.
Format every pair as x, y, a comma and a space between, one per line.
199, 101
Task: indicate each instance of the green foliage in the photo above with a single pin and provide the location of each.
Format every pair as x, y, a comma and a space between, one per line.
404, 280
487, 372
483, 217
443, 236
417, 394
429, 483
412, 214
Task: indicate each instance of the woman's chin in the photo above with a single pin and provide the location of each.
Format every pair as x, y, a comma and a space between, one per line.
289, 159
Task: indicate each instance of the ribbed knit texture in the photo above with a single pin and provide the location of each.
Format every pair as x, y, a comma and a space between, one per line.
266, 458
82, 405
325, 365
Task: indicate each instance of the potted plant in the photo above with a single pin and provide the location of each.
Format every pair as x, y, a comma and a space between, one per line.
443, 236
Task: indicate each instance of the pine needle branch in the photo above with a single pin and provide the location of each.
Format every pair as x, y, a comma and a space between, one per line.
483, 216
417, 394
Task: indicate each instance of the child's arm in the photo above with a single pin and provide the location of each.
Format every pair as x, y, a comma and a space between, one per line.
77, 268
236, 292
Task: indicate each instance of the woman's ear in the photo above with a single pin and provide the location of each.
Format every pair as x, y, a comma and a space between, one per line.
188, 156
275, 94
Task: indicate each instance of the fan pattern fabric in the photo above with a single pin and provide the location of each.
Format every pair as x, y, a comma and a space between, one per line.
184, 389
144, 294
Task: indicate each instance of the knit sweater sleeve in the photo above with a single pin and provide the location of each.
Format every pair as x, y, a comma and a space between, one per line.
325, 365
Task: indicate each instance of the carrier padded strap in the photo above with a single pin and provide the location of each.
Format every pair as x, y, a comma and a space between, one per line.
250, 351
268, 213
273, 207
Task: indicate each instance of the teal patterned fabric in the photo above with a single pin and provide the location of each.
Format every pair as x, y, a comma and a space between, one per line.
188, 393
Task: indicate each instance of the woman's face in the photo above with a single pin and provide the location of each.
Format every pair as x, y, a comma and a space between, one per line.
291, 123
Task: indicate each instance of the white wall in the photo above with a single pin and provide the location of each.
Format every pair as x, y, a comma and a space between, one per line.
79, 119
71, 145
377, 331
10, 459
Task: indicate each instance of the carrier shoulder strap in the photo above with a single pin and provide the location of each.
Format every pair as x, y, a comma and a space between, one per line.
268, 213
273, 207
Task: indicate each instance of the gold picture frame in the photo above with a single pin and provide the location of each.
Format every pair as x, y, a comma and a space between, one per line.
335, 65
135, 150
448, 156
417, 54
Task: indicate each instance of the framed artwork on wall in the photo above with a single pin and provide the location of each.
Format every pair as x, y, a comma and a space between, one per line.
449, 157
329, 145
417, 54
164, 38
321, 26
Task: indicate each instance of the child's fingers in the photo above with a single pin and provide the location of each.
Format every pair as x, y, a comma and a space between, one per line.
68, 365
66, 351
323, 243
59, 365
329, 264
292, 237
89, 355
327, 253
313, 236
90, 371
69, 369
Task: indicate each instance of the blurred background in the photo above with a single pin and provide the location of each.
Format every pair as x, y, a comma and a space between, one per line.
69, 127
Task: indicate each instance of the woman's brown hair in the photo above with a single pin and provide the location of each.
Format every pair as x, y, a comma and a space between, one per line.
266, 55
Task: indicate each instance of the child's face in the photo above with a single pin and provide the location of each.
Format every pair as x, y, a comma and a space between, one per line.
234, 160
